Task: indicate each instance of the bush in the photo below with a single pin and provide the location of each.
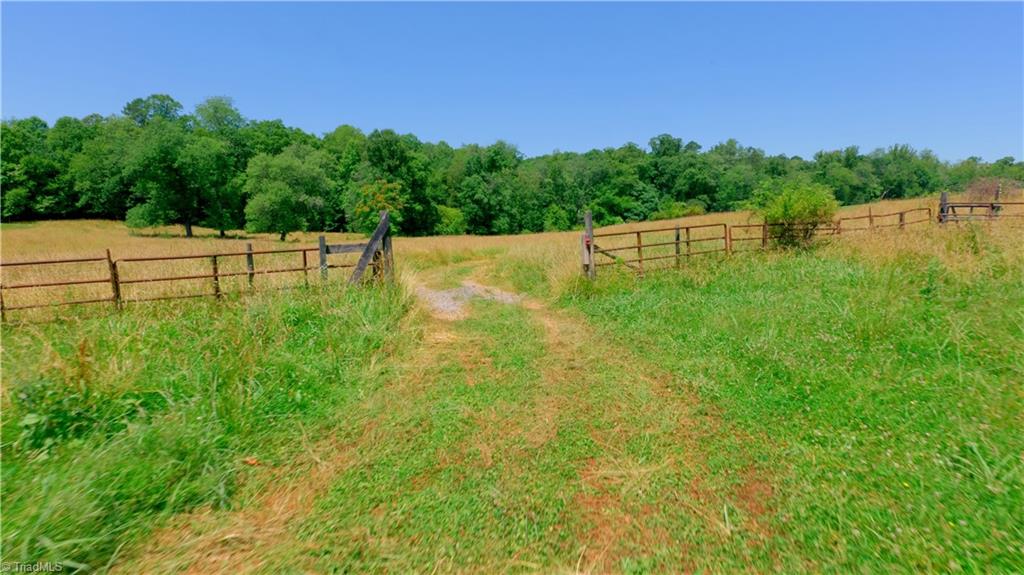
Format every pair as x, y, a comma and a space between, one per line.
673, 210
452, 222
793, 209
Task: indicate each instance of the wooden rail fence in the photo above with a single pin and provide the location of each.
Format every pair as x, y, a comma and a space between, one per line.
375, 255
680, 241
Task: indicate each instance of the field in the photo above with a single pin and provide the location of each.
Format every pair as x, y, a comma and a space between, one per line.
855, 407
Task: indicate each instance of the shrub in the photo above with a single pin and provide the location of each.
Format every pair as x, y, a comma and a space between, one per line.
556, 219
673, 210
793, 209
452, 222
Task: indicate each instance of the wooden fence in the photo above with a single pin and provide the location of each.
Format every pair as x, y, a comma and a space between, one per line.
972, 211
638, 248
125, 276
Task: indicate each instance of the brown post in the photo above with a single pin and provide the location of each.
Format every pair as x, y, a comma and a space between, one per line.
3, 310
839, 226
305, 268
728, 239
389, 257
943, 207
764, 235
687, 242
323, 258
590, 266
677, 244
216, 276
115, 281
902, 219
250, 265
640, 252
871, 218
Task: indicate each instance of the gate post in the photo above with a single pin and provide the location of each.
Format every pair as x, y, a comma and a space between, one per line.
587, 246
323, 258
943, 207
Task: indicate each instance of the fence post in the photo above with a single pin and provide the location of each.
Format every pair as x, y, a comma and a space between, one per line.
677, 245
943, 207
764, 235
589, 266
323, 258
250, 265
839, 226
305, 268
640, 252
902, 219
115, 281
3, 310
728, 239
871, 218
216, 277
388, 256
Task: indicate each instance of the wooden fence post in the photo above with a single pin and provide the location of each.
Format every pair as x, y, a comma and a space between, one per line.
115, 281
305, 268
871, 219
216, 277
323, 258
677, 244
943, 207
902, 219
589, 265
389, 256
373, 251
728, 239
687, 242
250, 265
764, 235
3, 310
640, 253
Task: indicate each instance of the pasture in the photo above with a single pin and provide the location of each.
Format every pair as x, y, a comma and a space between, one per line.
856, 406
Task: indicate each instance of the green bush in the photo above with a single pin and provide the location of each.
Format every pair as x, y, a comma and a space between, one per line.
452, 222
793, 209
673, 210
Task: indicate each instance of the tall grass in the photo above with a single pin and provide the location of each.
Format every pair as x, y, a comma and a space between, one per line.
877, 381
112, 424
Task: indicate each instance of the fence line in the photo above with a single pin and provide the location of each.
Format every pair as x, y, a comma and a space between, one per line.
375, 254
725, 238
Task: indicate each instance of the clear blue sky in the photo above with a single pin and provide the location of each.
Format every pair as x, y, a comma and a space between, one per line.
787, 78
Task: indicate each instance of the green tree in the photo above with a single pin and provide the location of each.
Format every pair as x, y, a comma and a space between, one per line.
143, 110
286, 191
793, 208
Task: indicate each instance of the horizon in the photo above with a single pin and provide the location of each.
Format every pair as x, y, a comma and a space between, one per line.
826, 77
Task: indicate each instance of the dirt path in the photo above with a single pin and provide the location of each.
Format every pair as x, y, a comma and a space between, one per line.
613, 443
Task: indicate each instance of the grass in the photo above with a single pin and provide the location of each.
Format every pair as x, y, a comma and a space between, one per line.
882, 397
113, 424
852, 407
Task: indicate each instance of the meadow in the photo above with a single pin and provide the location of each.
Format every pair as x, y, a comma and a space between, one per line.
854, 406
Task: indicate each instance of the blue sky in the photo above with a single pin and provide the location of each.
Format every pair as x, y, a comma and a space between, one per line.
787, 78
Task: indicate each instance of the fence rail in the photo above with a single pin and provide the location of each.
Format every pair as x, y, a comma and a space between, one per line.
654, 244
375, 254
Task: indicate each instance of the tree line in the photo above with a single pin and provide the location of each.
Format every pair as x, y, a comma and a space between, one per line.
154, 164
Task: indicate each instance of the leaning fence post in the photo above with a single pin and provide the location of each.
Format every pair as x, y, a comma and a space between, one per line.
589, 266
115, 281
216, 277
250, 265
323, 258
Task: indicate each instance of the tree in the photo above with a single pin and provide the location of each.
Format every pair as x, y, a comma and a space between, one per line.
99, 172
154, 166
143, 110
205, 166
285, 191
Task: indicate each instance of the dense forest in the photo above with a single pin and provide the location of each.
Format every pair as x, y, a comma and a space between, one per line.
154, 164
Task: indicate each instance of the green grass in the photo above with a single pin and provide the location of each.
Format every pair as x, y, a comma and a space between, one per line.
883, 400
112, 424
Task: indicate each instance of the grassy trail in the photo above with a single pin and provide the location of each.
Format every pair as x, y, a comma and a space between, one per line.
512, 438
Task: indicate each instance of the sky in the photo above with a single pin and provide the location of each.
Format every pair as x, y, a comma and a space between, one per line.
789, 78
